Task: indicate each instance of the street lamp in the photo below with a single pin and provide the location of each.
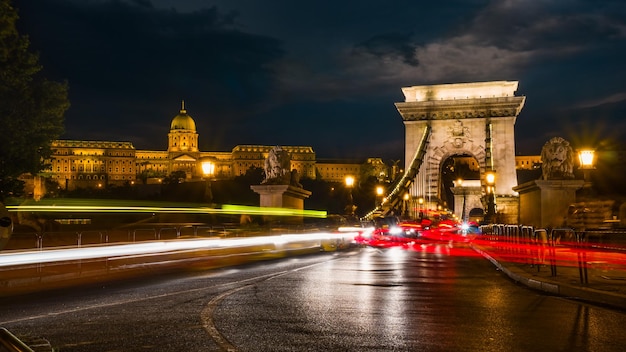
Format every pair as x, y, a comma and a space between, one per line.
406, 204
349, 184
490, 178
379, 193
208, 170
459, 183
587, 159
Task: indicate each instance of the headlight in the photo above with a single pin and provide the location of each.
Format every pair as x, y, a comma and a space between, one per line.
367, 232
395, 230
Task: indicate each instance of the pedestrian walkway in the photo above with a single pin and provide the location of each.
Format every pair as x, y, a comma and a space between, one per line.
596, 276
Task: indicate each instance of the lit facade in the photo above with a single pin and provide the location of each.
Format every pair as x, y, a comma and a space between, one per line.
91, 164
527, 162
336, 171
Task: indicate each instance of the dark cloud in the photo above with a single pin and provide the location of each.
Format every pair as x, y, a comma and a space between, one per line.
543, 25
117, 49
391, 45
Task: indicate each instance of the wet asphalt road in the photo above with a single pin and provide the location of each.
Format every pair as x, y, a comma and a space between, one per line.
437, 298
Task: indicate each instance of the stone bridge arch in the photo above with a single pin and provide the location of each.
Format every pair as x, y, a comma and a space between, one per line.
476, 119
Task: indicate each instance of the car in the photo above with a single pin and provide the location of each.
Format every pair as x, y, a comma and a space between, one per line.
389, 231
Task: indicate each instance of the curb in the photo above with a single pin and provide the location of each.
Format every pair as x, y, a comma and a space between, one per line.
578, 293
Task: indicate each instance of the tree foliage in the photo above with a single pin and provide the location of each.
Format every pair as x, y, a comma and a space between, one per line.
174, 178
32, 108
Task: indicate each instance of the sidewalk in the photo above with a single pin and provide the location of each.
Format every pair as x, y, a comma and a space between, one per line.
592, 276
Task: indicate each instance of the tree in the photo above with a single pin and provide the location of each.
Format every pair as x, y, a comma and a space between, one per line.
175, 178
32, 108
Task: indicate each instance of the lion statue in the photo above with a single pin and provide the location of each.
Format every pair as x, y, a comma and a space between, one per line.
277, 167
557, 159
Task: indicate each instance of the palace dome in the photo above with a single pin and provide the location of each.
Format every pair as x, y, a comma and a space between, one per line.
183, 121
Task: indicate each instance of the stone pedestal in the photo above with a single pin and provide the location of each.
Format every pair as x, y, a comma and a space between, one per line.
282, 196
507, 210
544, 203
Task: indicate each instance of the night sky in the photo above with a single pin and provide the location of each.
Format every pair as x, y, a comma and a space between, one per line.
326, 73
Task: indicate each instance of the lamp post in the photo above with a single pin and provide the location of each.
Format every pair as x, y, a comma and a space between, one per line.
490, 178
208, 170
379, 193
406, 204
586, 157
459, 183
349, 184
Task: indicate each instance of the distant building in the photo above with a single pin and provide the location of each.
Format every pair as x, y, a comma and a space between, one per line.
527, 162
469, 161
337, 170
93, 164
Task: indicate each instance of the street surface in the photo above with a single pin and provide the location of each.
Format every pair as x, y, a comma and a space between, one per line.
438, 298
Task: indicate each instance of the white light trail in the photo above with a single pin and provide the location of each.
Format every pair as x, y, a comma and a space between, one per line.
117, 250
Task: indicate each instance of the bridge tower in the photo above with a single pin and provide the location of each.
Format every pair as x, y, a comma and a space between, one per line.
475, 119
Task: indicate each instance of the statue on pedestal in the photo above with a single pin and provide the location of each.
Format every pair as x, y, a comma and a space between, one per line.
557, 159
281, 187
278, 169
544, 203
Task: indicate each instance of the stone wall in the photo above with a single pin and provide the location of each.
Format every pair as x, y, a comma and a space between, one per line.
590, 215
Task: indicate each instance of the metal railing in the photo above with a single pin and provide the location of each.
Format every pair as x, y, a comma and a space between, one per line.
10, 342
539, 245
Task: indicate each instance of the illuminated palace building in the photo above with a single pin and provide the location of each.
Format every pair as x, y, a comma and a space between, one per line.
93, 164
